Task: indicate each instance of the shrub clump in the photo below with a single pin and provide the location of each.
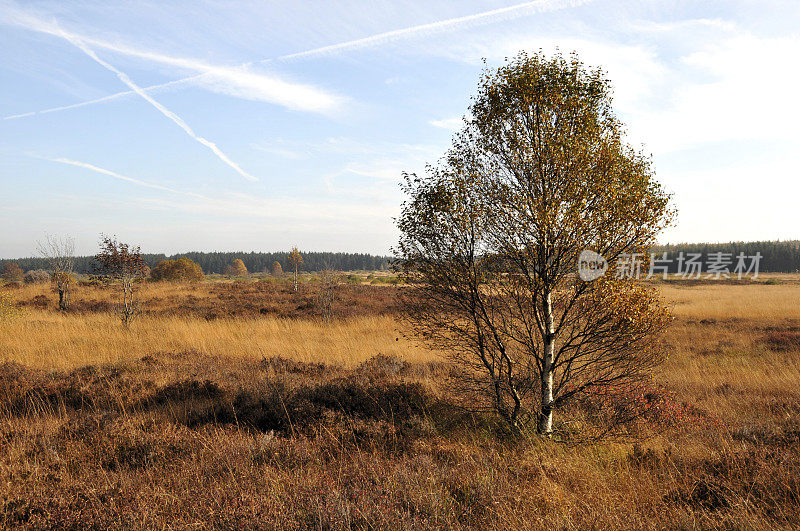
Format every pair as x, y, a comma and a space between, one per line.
12, 272
236, 268
36, 276
782, 341
182, 269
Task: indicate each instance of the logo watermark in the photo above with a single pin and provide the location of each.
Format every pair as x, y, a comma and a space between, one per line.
686, 266
591, 265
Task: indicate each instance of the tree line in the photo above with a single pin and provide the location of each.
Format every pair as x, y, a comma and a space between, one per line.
776, 256
216, 262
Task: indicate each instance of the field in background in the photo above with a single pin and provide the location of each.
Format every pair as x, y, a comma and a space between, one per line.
217, 408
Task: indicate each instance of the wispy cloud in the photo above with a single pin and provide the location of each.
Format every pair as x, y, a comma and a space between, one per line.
238, 81
238, 205
234, 204
163, 110
242, 82
451, 124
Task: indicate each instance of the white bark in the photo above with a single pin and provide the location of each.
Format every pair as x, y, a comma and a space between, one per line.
546, 412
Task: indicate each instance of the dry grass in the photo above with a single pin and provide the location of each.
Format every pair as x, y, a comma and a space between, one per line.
197, 420
63, 341
752, 302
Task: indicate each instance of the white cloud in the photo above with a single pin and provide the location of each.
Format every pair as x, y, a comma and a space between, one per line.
451, 124
383, 169
749, 201
242, 82
634, 70
744, 87
238, 81
724, 83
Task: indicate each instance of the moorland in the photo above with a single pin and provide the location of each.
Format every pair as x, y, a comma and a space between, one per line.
240, 403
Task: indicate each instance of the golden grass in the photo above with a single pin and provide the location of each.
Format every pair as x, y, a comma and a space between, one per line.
49, 340
756, 302
148, 466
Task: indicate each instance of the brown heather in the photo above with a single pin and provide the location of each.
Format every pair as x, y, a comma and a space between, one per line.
216, 410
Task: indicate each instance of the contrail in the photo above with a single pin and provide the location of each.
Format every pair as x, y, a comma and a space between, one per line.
240, 204
116, 175
110, 97
486, 17
478, 19
166, 112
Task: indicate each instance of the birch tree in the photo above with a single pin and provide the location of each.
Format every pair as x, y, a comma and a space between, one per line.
296, 260
59, 251
124, 264
490, 240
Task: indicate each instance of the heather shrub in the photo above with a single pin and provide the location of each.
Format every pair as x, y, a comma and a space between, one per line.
783, 340
36, 276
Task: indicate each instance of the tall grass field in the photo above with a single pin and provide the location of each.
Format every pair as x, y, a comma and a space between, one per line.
247, 405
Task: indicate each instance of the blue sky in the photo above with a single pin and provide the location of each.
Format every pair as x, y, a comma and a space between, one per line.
263, 125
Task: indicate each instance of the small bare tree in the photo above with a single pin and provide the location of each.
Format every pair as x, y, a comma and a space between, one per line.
125, 265
59, 251
296, 260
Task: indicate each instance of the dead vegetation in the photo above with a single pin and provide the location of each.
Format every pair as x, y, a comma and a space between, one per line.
258, 421
214, 300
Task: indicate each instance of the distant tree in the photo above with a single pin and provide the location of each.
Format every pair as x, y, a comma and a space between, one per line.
12, 272
296, 260
60, 255
36, 276
123, 264
491, 239
182, 269
277, 270
236, 268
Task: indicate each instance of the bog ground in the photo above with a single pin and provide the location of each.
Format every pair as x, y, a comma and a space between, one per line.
245, 405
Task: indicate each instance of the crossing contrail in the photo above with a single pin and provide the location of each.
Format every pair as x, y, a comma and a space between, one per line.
163, 110
478, 19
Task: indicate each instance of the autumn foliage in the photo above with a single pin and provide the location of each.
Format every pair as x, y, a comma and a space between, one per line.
122, 264
491, 236
182, 269
12, 272
236, 268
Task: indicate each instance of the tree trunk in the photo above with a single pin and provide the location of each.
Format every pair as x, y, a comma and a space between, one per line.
62, 299
295, 278
546, 413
